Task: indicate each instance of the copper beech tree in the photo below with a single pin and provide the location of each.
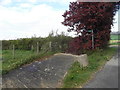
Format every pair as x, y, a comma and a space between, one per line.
92, 21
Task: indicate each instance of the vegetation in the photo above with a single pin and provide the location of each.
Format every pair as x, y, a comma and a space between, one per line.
114, 42
58, 41
22, 57
91, 21
26, 50
25, 55
115, 37
87, 19
78, 76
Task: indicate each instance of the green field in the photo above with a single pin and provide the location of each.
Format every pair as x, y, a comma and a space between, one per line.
115, 37
21, 57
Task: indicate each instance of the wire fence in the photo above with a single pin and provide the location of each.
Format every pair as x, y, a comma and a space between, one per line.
46, 47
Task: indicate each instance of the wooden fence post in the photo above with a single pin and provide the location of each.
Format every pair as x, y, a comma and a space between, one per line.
60, 46
37, 47
50, 45
32, 48
13, 51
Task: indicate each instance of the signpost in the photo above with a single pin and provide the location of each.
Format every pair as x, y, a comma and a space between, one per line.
92, 38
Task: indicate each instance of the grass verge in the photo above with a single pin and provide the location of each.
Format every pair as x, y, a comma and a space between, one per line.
22, 57
78, 76
114, 42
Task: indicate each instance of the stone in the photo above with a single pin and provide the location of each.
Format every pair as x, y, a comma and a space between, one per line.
52, 68
20, 68
82, 59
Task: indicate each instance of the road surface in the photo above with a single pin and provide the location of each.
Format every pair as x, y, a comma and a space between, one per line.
108, 76
40, 74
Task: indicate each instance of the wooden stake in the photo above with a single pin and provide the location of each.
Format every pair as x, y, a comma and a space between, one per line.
50, 46
13, 51
32, 48
37, 47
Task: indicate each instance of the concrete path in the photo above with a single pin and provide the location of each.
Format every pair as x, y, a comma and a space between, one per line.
40, 74
108, 76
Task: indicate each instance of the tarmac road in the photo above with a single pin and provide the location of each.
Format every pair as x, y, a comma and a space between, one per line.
40, 74
108, 76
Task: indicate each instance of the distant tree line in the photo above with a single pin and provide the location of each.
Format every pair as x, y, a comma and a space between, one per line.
115, 33
58, 42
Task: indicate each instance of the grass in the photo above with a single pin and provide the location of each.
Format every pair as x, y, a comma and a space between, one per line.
21, 57
115, 37
114, 42
78, 76
0, 66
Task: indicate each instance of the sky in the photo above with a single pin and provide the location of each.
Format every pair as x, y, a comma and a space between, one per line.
27, 18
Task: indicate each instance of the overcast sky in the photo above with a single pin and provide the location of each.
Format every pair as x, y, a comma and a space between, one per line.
26, 18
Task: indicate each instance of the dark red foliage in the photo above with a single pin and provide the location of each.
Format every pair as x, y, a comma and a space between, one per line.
78, 44
85, 16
